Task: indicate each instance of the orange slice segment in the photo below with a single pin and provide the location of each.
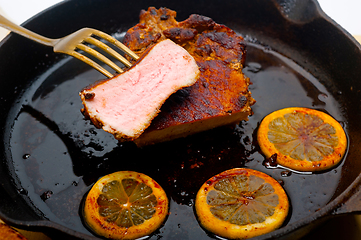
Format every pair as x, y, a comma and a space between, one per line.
125, 205
241, 203
302, 139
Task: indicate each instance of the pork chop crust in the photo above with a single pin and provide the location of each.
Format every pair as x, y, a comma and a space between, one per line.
219, 97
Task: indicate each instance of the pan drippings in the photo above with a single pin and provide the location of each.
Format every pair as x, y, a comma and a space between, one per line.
58, 155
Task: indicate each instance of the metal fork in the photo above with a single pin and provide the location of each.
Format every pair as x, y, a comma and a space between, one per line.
77, 41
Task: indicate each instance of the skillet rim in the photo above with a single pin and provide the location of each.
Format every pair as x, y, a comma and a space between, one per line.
330, 208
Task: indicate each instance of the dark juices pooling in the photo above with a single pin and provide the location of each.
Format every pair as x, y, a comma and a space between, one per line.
57, 154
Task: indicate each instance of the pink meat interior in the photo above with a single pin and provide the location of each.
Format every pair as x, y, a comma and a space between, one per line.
127, 103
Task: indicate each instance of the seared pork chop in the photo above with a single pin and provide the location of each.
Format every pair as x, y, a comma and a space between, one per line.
219, 97
126, 104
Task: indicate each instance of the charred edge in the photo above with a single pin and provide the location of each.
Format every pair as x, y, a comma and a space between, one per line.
89, 96
164, 17
199, 22
180, 35
242, 101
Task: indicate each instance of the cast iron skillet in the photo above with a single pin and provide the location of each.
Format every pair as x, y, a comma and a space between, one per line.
50, 155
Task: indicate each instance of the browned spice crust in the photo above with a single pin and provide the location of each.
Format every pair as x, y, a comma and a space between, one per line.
222, 88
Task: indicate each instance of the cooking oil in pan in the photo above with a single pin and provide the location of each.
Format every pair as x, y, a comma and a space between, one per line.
57, 154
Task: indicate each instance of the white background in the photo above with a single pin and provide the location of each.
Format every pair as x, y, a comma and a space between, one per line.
345, 12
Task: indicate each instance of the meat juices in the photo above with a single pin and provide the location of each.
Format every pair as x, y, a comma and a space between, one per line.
219, 97
126, 104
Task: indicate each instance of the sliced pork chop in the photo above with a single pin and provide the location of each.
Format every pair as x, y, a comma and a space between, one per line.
126, 104
219, 97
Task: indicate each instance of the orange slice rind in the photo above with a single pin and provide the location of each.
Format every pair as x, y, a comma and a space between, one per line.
125, 205
302, 139
241, 203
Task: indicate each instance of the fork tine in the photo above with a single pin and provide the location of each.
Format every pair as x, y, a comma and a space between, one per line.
100, 57
109, 50
116, 43
91, 63
69, 43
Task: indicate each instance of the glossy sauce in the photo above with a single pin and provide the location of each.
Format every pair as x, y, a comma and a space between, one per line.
58, 155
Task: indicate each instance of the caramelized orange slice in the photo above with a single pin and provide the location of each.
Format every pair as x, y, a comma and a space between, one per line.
125, 205
302, 139
8, 233
241, 203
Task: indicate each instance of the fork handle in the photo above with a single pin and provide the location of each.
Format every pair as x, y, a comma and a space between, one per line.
6, 23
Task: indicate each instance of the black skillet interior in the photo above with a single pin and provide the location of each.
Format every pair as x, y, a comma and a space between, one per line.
51, 155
